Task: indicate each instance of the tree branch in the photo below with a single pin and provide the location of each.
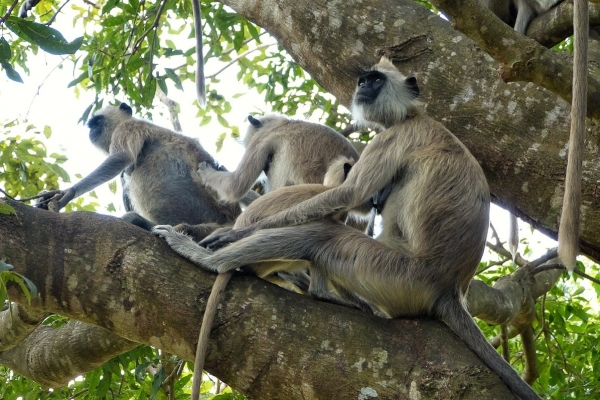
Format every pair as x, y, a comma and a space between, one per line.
16, 323
521, 58
102, 271
52, 357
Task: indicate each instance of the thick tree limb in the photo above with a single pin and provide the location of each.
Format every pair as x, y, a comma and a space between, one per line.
52, 357
16, 323
521, 58
554, 26
517, 131
267, 342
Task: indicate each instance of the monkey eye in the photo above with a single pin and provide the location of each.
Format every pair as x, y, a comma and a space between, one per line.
361, 82
378, 80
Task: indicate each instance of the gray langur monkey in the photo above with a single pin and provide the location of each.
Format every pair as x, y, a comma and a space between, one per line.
289, 152
435, 222
518, 13
528, 10
161, 183
263, 207
568, 231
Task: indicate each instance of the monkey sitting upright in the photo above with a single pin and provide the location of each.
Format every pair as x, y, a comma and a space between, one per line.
160, 177
435, 222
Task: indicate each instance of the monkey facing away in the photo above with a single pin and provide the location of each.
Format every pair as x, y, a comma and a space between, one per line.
434, 226
290, 152
295, 270
161, 183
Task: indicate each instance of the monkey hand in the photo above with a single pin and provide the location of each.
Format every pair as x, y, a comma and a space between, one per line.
54, 200
221, 239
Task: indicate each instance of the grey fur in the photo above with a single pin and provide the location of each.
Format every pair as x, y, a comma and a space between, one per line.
159, 171
568, 231
526, 11
294, 271
290, 152
435, 222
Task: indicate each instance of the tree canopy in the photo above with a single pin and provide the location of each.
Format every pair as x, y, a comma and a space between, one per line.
96, 308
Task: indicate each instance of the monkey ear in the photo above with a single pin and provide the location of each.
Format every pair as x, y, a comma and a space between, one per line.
347, 168
411, 84
125, 107
255, 123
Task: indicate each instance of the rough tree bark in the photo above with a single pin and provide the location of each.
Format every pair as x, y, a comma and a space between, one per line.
267, 342
103, 272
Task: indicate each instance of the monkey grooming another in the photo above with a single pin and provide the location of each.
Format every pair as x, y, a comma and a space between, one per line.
159, 172
435, 222
290, 152
261, 208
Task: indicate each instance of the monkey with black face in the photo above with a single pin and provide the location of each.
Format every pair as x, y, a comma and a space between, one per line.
435, 222
161, 183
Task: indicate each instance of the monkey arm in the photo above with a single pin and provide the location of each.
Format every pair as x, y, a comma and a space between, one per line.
110, 168
380, 164
232, 186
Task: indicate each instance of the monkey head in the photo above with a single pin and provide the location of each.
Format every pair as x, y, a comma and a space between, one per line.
103, 123
383, 96
264, 123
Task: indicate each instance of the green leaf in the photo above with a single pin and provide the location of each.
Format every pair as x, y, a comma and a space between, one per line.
6, 209
49, 39
173, 76
5, 53
11, 73
47, 132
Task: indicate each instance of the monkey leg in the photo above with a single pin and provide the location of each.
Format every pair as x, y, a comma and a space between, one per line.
200, 231
184, 246
137, 220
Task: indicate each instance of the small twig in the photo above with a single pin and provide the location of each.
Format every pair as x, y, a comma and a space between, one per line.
78, 394
37, 92
88, 2
173, 109
10, 10
547, 267
584, 275
51, 20
550, 254
231, 50
493, 264
7, 195
152, 27
244, 54
495, 235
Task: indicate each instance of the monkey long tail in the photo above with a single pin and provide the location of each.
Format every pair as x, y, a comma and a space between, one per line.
458, 319
209, 315
568, 231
